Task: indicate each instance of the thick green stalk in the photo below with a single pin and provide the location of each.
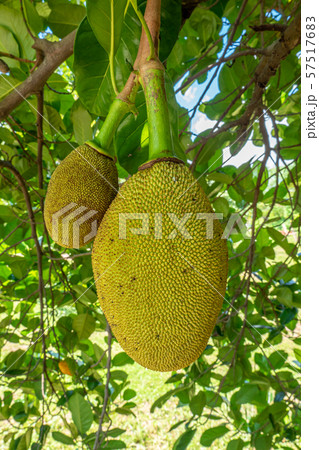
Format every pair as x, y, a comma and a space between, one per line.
160, 138
123, 104
117, 111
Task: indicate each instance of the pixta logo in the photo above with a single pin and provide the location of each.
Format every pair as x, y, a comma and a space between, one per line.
234, 221
73, 216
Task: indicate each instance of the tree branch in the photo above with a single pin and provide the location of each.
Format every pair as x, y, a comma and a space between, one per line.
11, 56
269, 27
266, 69
54, 54
99, 441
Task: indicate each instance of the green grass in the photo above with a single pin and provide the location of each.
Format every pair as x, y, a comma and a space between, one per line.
145, 430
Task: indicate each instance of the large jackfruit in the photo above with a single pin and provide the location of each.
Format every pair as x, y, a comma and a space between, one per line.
80, 190
162, 287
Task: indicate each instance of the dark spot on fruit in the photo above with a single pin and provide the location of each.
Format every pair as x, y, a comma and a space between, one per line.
111, 240
134, 278
122, 293
157, 336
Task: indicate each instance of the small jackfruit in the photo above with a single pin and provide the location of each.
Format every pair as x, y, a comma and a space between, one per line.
81, 189
160, 268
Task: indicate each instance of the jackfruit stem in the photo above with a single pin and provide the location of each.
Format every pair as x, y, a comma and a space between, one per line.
118, 110
145, 29
160, 138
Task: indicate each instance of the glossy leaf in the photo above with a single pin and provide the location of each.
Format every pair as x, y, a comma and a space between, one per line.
12, 20
197, 403
184, 440
210, 435
64, 17
100, 18
81, 123
81, 412
121, 359
84, 325
91, 64
63, 438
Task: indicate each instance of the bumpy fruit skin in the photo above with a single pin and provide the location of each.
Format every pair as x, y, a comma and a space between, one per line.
161, 297
81, 189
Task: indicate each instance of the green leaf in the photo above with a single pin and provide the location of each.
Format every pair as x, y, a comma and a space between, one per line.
44, 430
128, 394
163, 399
228, 80
221, 205
115, 432
6, 213
263, 442
121, 359
125, 411
281, 240
91, 64
84, 325
34, 20
98, 353
12, 19
284, 295
204, 22
25, 441
236, 444
81, 412
43, 10
288, 315
64, 17
100, 19
220, 177
130, 143
209, 436
85, 293
53, 123
197, 403
297, 353
177, 424
14, 360
60, 437
119, 375
278, 359
7, 83
184, 440
8, 44
171, 19
246, 394
115, 444
20, 268
81, 120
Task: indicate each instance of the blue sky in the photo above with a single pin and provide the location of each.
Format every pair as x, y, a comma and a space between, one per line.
200, 122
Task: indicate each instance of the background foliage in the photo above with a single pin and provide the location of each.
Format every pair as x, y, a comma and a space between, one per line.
64, 380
